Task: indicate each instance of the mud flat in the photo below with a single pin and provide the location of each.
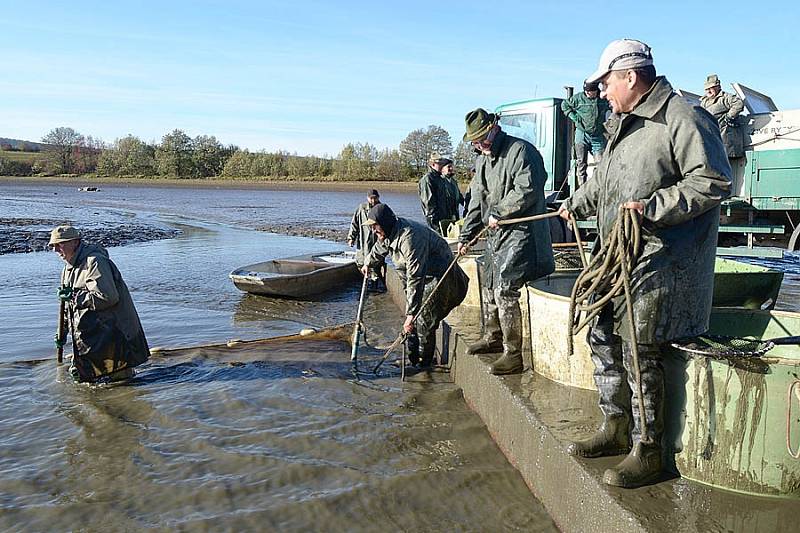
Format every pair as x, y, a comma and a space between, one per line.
307, 230
532, 419
21, 235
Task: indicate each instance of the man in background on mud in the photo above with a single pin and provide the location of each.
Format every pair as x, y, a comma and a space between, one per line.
436, 195
107, 337
587, 110
421, 257
665, 160
508, 183
363, 239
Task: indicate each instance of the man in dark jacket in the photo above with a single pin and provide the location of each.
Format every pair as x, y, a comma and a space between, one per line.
587, 110
508, 183
363, 239
435, 196
421, 258
107, 337
665, 160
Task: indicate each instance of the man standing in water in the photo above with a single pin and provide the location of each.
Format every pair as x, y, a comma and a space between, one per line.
107, 337
665, 160
363, 239
421, 258
508, 183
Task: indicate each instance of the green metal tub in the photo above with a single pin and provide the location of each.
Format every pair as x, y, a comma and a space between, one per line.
743, 416
738, 284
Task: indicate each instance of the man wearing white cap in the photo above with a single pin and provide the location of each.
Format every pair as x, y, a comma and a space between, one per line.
107, 337
666, 161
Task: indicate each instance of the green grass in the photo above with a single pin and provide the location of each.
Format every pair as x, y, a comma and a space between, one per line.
28, 157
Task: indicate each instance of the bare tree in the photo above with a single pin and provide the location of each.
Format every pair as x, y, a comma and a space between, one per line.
418, 145
65, 142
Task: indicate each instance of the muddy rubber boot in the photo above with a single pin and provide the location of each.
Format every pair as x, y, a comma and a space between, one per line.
508, 364
611, 439
486, 346
511, 325
641, 467
412, 349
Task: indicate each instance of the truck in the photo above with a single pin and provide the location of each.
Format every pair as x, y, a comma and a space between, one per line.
762, 216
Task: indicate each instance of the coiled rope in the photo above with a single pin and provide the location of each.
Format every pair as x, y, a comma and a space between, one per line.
607, 276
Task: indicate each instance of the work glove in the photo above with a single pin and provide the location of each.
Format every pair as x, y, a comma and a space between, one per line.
59, 342
65, 294
731, 122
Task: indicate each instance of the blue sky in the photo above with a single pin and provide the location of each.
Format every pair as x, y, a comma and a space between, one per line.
310, 76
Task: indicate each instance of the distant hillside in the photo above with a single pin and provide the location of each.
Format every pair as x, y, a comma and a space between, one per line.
28, 146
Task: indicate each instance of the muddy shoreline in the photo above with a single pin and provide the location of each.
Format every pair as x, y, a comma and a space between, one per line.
23, 235
344, 186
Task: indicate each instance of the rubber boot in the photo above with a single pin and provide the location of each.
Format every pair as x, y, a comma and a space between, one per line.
611, 439
426, 356
508, 364
412, 349
492, 339
510, 318
643, 466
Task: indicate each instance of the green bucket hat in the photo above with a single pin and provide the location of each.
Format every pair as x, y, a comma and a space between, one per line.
479, 124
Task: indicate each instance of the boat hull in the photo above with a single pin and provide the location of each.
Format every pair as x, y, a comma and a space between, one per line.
296, 277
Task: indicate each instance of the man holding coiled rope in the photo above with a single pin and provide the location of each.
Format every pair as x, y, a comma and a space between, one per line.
666, 161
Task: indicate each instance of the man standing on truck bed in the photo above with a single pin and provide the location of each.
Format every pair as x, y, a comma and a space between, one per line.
508, 183
726, 108
664, 159
588, 111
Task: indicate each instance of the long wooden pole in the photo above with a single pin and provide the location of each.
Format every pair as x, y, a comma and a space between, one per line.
507, 221
357, 328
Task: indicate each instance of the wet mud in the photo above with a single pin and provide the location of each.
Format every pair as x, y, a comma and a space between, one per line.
307, 230
22, 235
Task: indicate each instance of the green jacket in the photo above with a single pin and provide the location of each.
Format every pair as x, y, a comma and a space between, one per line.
510, 184
667, 154
106, 333
419, 254
588, 114
360, 234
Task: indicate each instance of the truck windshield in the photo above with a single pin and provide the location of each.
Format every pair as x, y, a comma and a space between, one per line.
523, 126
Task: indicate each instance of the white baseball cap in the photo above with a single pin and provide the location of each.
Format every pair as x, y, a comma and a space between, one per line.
622, 54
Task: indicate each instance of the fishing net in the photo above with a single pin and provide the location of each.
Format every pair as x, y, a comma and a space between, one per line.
569, 259
722, 347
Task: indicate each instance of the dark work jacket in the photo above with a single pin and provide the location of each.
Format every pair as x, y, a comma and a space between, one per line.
510, 184
433, 193
106, 333
667, 154
419, 254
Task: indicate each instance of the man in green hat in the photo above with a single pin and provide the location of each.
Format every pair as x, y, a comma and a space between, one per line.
665, 160
588, 110
107, 337
508, 183
421, 258
726, 108
435, 194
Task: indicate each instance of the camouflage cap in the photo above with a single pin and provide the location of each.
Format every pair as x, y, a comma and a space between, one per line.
711, 81
63, 234
438, 159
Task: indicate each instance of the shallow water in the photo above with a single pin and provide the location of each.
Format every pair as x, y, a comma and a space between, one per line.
275, 439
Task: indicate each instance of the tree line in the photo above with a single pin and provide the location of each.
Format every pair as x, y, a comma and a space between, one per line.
178, 155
